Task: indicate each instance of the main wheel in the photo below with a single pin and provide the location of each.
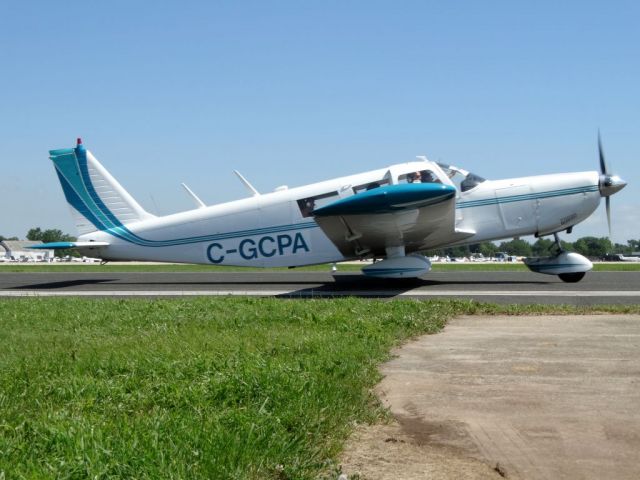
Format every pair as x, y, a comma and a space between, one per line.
572, 277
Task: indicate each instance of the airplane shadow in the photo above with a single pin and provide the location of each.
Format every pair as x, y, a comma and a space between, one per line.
62, 284
76, 283
421, 282
343, 283
361, 286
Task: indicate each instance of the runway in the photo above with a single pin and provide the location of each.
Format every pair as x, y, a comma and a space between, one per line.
497, 287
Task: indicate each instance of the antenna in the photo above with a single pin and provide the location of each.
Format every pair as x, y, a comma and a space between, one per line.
154, 203
246, 183
199, 203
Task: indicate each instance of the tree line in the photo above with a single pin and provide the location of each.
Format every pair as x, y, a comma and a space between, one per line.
590, 247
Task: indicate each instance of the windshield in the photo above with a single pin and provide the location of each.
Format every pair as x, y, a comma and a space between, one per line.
462, 179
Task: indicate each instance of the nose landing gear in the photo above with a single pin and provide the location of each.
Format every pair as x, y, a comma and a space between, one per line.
569, 266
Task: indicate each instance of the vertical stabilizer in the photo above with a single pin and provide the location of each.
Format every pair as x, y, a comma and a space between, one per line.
97, 200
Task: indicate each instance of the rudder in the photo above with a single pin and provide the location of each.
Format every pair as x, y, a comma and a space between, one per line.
97, 200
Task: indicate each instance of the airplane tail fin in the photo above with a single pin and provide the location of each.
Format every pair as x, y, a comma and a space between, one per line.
97, 200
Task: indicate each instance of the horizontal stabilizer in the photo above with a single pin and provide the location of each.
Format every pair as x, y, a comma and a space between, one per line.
63, 245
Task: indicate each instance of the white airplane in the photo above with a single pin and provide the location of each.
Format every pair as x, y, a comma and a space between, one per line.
390, 214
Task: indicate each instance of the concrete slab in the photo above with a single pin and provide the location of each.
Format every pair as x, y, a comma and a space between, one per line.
541, 397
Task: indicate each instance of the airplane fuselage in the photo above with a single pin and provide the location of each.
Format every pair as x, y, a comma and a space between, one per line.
274, 229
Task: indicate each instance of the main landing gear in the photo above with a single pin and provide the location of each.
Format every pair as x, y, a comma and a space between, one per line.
399, 265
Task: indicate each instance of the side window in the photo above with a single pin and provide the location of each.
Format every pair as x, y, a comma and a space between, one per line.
309, 204
370, 186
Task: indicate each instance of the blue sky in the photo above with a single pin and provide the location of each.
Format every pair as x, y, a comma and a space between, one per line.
297, 92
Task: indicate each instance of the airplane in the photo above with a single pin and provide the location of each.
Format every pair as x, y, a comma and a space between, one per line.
390, 215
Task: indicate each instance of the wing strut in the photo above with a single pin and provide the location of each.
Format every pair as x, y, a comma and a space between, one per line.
353, 237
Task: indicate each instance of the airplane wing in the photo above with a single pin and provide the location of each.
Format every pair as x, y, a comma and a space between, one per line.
413, 215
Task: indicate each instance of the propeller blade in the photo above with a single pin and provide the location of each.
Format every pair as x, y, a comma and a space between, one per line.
603, 163
608, 206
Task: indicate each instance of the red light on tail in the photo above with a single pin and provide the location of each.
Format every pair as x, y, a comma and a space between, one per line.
79, 141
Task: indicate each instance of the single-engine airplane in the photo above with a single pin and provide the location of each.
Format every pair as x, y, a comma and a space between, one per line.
391, 214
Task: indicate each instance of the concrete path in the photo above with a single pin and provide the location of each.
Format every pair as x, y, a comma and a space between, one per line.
541, 397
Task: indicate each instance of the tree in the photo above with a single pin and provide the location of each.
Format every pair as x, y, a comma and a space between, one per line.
56, 236
518, 247
487, 249
8, 238
34, 234
593, 247
52, 235
542, 248
620, 248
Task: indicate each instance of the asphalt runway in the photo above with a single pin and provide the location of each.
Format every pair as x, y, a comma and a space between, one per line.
498, 287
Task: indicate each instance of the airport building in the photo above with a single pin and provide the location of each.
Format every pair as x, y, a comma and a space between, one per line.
17, 251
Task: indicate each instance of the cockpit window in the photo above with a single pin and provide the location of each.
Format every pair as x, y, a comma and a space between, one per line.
462, 179
422, 176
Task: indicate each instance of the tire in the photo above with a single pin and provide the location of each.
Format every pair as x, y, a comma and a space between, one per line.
571, 277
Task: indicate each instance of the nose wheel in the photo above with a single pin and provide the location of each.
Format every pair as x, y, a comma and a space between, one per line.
571, 277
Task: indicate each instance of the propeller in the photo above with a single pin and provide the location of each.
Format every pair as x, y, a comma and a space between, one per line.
609, 183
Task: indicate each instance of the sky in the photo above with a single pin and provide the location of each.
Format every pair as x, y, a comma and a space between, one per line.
292, 92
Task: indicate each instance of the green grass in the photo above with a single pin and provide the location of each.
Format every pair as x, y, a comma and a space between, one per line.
437, 267
199, 388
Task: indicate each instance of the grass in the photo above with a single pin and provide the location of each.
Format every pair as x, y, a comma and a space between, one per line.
202, 388
352, 267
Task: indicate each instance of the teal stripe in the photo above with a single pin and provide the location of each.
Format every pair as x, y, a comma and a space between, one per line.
375, 271
67, 166
529, 196
554, 265
91, 206
223, 236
